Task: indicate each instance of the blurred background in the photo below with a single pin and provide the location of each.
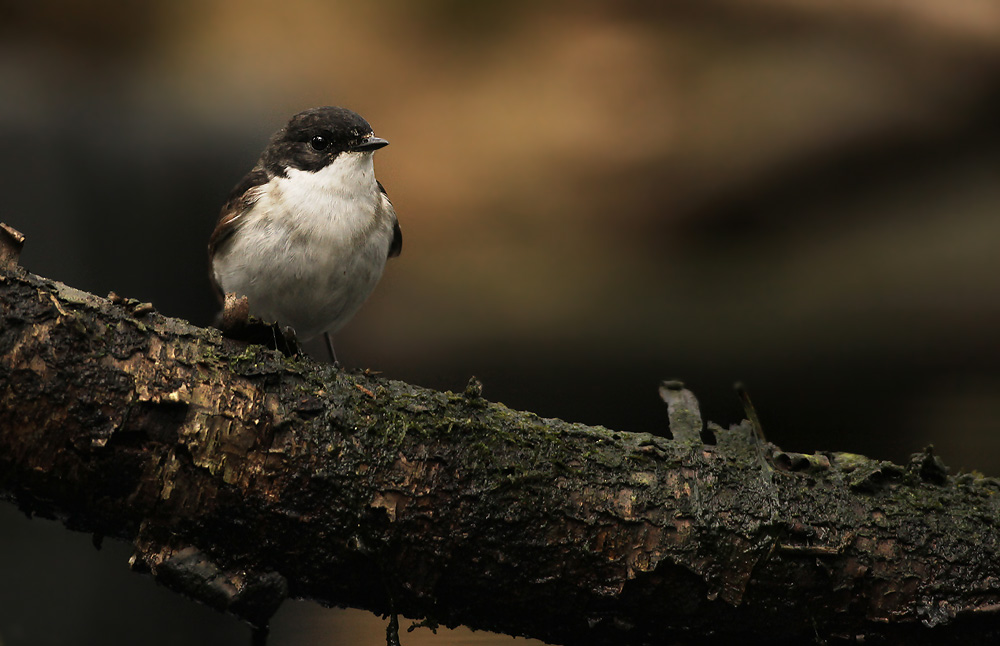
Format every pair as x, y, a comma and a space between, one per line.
804, 196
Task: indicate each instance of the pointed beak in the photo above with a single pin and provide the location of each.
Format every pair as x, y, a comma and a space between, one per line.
371, 142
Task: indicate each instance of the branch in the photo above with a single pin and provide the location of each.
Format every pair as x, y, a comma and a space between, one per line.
243, 477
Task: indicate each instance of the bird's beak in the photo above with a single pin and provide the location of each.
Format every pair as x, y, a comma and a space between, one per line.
371, 142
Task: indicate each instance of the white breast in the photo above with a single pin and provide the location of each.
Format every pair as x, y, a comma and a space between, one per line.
312, 248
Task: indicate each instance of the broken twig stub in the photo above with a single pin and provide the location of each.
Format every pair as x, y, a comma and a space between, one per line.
11, 243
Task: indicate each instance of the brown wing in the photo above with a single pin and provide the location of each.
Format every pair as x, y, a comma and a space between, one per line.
241, 200
397, 234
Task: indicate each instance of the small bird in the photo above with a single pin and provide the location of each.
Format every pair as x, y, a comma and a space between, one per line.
306, 234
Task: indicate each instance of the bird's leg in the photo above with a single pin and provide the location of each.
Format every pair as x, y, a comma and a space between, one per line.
329, 348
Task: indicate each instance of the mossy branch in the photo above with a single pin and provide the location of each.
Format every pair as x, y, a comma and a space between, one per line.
243, 477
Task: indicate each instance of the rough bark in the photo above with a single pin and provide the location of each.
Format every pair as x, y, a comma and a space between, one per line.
243, 476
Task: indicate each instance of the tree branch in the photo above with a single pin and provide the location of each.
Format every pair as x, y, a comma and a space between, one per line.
243, 476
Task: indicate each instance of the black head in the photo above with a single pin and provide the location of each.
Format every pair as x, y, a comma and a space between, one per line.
314, 138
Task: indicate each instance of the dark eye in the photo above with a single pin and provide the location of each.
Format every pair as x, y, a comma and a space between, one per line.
320, 142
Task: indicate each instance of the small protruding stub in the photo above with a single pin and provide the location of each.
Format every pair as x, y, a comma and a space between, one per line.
929, 466
235, 312
474, 389
683, 410
11, 243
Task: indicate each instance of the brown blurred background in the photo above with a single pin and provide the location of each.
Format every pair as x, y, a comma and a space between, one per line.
594, 196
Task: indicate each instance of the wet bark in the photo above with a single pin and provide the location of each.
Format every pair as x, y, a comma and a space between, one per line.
243, 477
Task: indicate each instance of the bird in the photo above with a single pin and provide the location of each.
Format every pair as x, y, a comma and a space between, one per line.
306, 234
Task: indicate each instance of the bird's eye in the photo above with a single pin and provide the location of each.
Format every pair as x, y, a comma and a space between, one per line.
319, 142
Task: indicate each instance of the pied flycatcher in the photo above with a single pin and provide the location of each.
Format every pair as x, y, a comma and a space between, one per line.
306, 234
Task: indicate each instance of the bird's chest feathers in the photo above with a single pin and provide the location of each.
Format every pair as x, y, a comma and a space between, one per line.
333, 208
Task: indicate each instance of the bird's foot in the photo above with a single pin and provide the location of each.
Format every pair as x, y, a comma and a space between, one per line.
237, 324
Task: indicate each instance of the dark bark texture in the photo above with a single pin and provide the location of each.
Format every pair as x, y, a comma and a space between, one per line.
243, 477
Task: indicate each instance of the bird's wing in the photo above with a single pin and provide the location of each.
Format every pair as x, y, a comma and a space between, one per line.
397, 234
241, 199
